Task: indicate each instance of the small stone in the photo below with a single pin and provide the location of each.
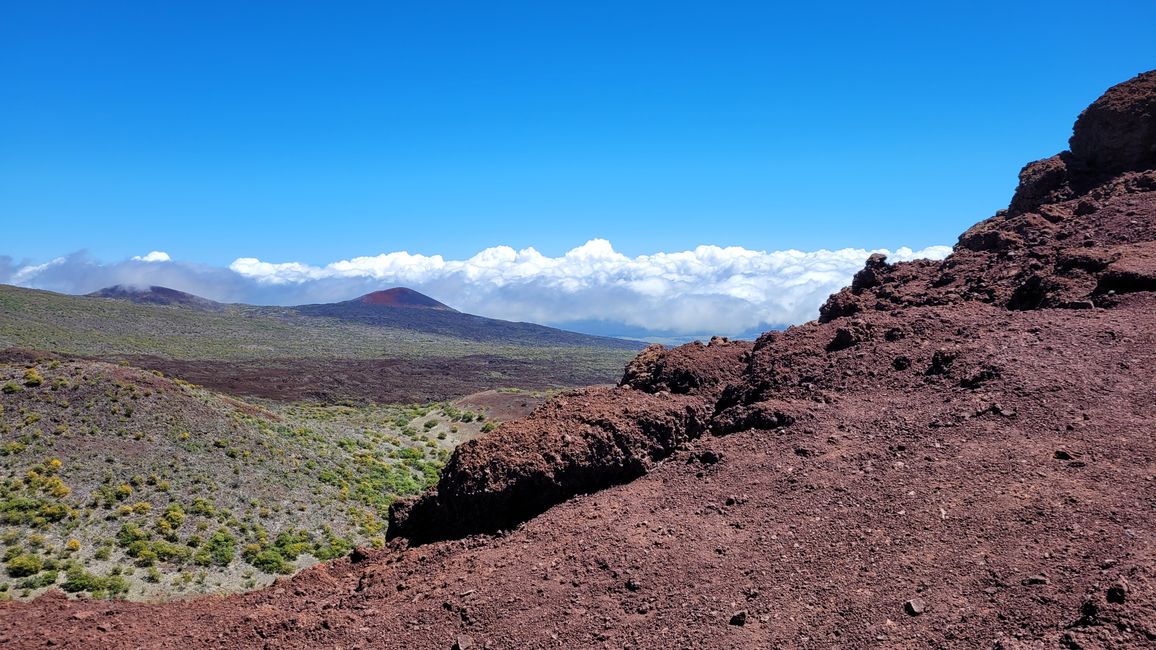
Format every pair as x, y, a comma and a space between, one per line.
1117, 593
914, 607
739, 618
708, 457
1063, 454
1034, 580
633, 585
464, 642
358, 555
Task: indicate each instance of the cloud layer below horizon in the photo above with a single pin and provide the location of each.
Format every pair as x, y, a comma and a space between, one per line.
708, 290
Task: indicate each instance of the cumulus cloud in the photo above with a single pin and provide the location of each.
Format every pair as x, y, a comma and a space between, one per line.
703, 291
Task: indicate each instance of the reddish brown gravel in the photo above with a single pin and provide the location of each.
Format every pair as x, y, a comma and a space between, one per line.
957, 454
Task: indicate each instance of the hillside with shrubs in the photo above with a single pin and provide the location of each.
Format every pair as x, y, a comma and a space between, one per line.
122, 482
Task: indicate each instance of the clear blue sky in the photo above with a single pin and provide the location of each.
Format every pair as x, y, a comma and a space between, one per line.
316, 131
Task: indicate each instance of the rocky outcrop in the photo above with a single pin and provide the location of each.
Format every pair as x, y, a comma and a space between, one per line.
692, 369
1068, 240
1068, 209
1117, 133
577, 443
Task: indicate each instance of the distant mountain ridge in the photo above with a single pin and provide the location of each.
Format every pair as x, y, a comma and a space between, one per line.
156, 295
396, 308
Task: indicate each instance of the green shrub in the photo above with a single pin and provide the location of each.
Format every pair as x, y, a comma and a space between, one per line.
270, 561
24, 565
45, 579
202, 507
77, 580
333, 547
169, 552
174, 515
32, 378
131, 533
218, 550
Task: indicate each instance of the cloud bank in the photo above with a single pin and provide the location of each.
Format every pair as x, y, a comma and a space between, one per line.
708, 290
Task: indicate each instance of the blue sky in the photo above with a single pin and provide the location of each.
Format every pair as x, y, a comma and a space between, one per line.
314, 132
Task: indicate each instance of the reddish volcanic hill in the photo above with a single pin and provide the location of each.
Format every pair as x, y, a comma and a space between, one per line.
956, 454
401, 297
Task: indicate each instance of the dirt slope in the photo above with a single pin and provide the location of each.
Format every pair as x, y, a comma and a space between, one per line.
957, 454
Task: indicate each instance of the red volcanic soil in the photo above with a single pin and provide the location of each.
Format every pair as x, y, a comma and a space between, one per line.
957, 454
385, 381
502, 405
401, 297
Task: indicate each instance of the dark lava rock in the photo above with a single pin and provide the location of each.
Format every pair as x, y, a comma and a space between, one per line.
1117, 593
872, 273
688, 369
707, 457
915, 607
584, 441
941, 361
853, 334
1034, 580
739, 618
1043, 181
1117, 132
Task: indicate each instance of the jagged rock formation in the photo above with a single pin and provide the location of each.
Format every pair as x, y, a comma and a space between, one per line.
956, 454
1070, 238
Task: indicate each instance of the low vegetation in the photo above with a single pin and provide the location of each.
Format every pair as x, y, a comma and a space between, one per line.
118, 482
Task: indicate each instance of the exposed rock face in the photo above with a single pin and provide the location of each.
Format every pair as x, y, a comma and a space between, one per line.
690, 369
1072, 216
580, 442
1117, 133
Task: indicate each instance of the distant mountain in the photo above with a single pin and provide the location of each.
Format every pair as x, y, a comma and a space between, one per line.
401, 297
389, 346
397, 308
156, 296
407, 309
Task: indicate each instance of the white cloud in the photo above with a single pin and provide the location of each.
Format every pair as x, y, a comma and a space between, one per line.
708, 289
703, 291
155, 256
